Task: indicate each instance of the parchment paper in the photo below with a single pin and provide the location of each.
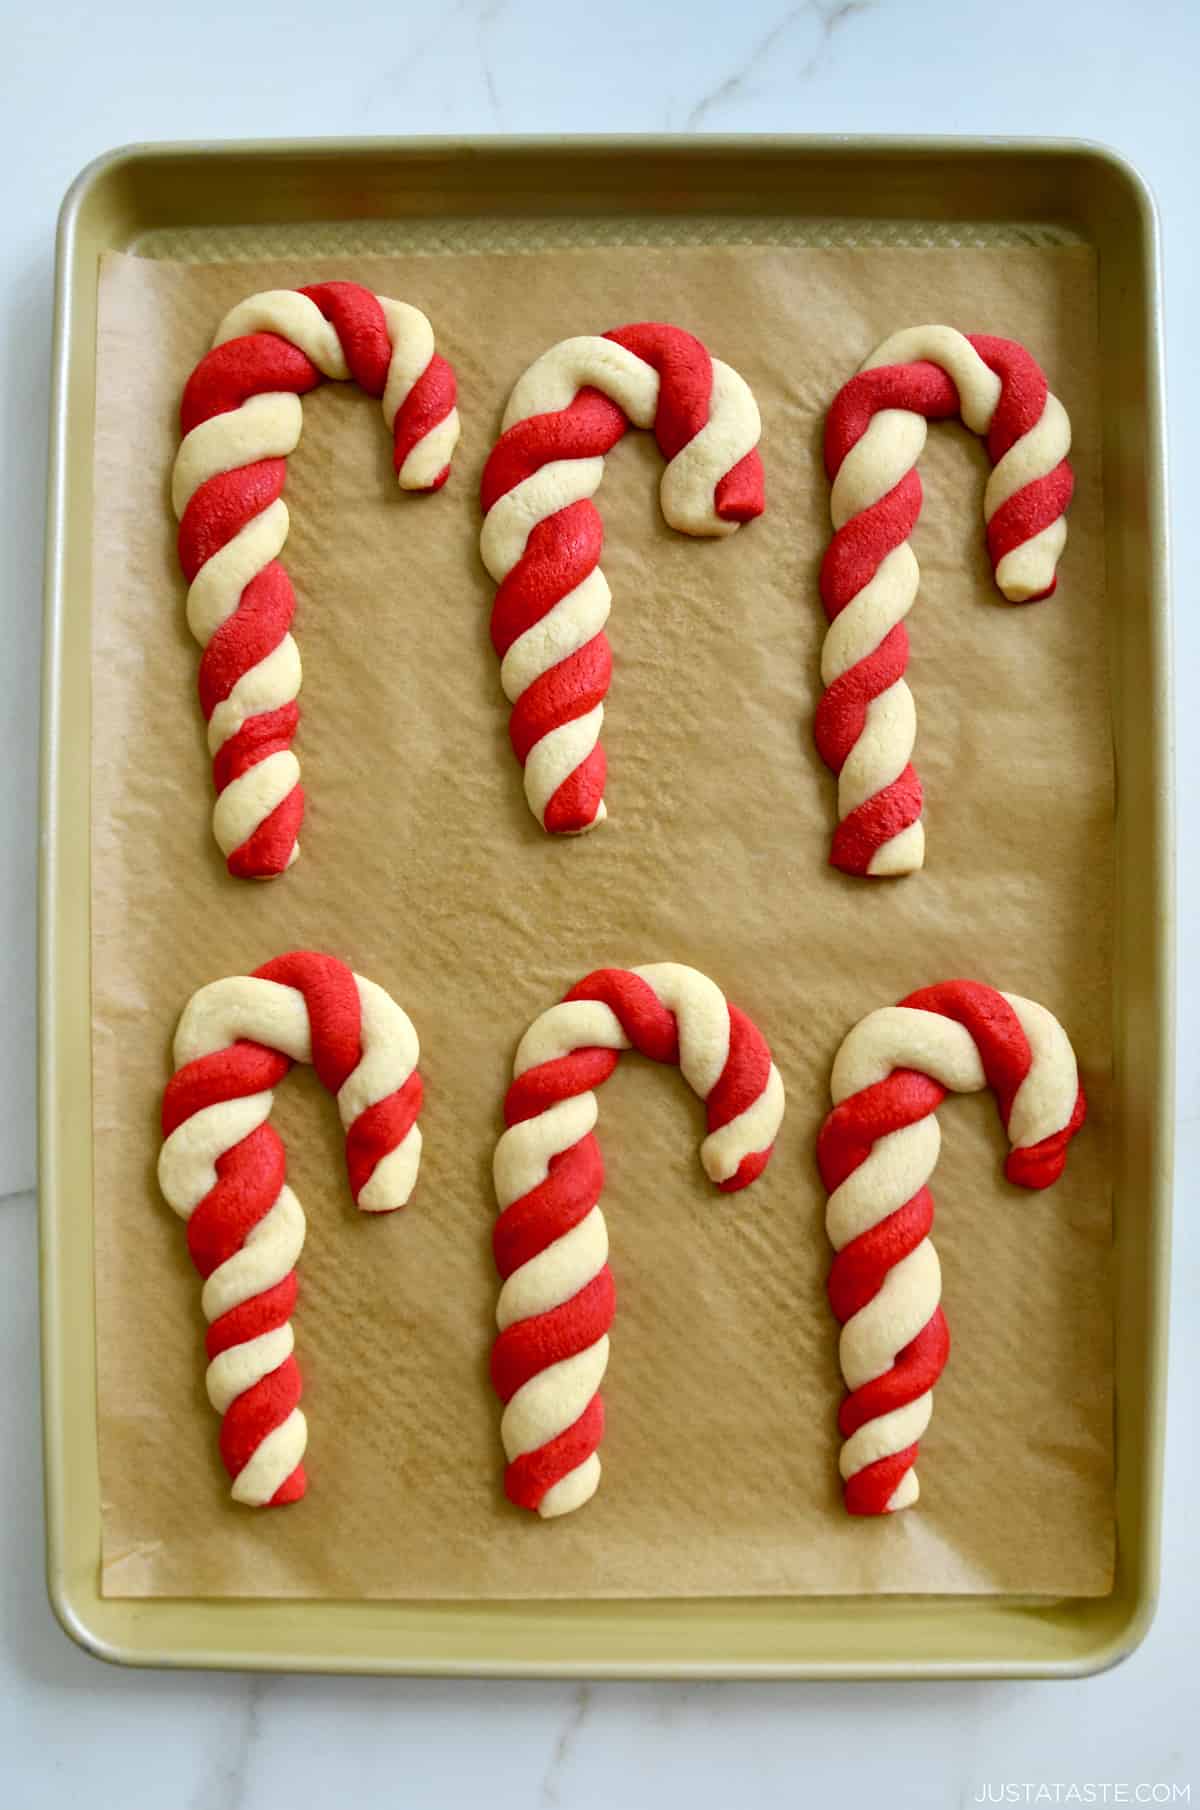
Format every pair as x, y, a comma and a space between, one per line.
423, 868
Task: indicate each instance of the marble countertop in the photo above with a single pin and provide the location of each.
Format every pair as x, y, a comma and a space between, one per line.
78, 80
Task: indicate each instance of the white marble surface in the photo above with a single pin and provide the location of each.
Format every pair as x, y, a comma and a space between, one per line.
78, 79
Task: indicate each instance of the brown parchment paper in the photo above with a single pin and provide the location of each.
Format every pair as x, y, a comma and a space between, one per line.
422, 867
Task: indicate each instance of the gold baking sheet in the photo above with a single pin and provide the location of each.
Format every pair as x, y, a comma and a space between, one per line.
719, 1636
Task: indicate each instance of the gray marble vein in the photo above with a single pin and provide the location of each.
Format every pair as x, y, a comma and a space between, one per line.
469, 25
827, 15
228, 1785
564, 1744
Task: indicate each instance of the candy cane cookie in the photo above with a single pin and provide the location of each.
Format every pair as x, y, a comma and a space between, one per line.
240, 418
551, 1244
223, 1169
874, 434
876, 1151
542, 535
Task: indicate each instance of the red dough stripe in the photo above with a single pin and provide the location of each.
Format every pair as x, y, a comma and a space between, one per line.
381, 1129
916, 1369
573, 806
558, 556
291, 1489
268, 849
859, 837
921, 388
747, 1171
1028, 512
256, 628
745, 1075
647, 1023
741, 495
425, 407
256, 364
561, 694
361, 327
268, 733
994, 1027
529, 1346
544, 1086
860, 1267
261, 1313
244, 1068
842, 712
684, 367
861, 545
1040, 1165
256, 1412
528, 1478
685, 379
870, 1490
1023, 391
852, 1129
334, 1012
587, 428
571, 1189
249, 1179
221, 507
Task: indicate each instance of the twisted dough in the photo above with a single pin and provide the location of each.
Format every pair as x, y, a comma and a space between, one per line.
240, 418
866, 721
222, 1169
542, 535
557, 1300
877, 1150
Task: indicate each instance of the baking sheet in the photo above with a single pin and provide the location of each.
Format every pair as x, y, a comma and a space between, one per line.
422, 867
